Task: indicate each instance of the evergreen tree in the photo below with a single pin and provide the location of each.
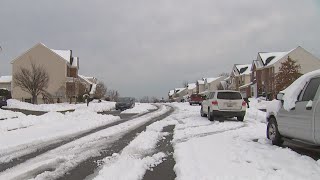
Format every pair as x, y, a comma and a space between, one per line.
288, 73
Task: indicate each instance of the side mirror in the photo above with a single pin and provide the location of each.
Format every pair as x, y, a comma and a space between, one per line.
280, 96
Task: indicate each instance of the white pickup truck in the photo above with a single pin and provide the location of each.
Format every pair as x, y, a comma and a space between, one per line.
301, 121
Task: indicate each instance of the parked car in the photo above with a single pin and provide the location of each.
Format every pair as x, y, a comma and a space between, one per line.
301, 120
3, 101
196, 99
223, 103
124, 103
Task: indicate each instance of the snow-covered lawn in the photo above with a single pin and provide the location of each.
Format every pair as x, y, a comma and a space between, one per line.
93, 106
139, 108
203, 149
234, 150
5, 114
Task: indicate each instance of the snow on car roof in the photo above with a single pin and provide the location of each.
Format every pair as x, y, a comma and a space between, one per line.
292, 92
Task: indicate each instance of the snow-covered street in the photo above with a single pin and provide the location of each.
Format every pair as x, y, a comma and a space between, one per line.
195, 147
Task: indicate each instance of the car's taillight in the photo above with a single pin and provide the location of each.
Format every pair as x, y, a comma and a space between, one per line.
215, 103
244, 103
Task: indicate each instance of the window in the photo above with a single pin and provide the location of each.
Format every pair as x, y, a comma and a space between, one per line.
311, 89
229, 95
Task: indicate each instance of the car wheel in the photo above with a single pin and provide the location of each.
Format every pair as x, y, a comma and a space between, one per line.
240, 118
202, 113
210, 115
190, 104
273, 132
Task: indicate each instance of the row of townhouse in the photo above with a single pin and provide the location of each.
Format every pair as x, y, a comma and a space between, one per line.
199, 87
258, 78
254, 79
65, 82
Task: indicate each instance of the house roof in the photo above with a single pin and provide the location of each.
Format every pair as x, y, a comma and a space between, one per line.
179, 90
269, 58
65, 54
209, 80
192, 86
5, 79
171, 92
244, 69
85, 79
200, 81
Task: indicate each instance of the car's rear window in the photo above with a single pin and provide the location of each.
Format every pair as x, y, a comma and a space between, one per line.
229, 95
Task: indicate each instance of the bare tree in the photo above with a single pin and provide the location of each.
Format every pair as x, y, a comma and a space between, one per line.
33, 81
113, 95
185, 84
224, 74
155, 99
145, 99
101, 90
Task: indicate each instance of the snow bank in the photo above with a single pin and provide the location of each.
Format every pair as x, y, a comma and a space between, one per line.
28, 131
6, 114
139, 108
93, 106
292, 92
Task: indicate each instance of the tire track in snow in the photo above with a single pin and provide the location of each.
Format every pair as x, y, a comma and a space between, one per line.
89, 167
38, 149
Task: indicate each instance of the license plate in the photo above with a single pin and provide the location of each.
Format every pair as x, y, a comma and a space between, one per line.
229, 104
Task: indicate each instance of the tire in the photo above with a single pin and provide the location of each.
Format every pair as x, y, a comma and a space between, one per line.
210, 116
202, 113
190, 104
273, 132
240, 118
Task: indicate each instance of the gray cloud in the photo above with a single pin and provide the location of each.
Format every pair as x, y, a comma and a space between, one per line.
146, 47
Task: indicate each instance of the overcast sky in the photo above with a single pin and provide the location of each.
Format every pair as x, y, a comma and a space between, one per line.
147, 47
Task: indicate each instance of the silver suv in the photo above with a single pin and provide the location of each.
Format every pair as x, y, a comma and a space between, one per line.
301, 122
223, 103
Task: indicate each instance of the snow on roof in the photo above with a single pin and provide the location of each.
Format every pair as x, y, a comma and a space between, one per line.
200, 81
257, 63
85, 79
93, 89
65, 54
179, 90
292, 92
209, 80
192, 86
244, 68
75, 62
270, 58
171, 92
5, 79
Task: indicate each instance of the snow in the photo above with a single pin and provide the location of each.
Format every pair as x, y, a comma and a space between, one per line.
66, 157
171, 92
93, 89
209, 80
202, 149
93, 106
200, 81
139, 108
192, 86
5, 114
247, 71
138, 156
65, 54
233, 150
5, 79
292, 92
